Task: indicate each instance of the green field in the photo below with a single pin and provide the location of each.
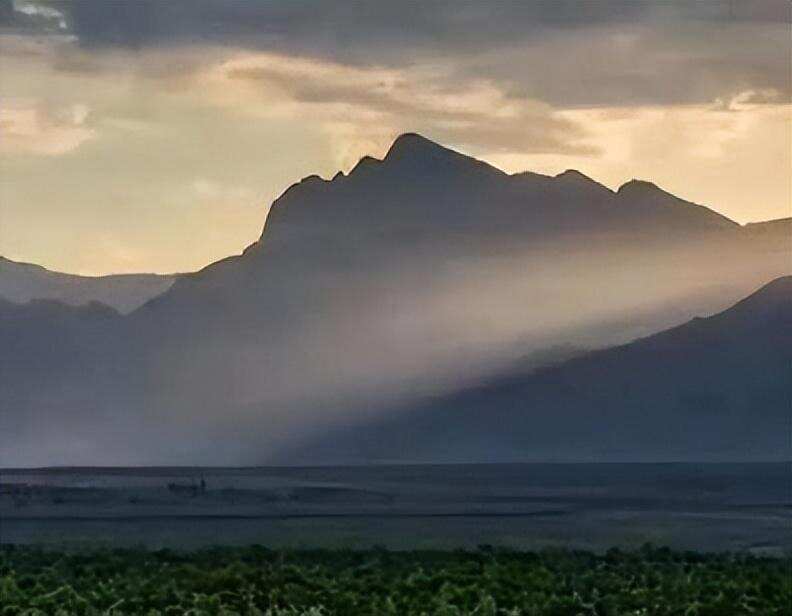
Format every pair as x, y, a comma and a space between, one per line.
256, 580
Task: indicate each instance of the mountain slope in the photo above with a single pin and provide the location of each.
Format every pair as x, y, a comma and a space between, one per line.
717, 388
47, 333
420, 185
460, 251
58, 372
425, 213
22, 282
413, 275
778, 231
645, 200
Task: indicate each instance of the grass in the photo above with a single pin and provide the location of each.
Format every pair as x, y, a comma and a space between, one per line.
258, 581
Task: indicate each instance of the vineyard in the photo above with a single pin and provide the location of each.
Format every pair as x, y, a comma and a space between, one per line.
258, 581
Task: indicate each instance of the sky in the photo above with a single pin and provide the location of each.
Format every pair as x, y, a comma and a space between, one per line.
143, 135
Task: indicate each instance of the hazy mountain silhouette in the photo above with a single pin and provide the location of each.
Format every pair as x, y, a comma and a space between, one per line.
55, 362
777, 230
716, 388
22, 282
394, 235
425, 207
646, 202
47, 333
425, 187
413, 275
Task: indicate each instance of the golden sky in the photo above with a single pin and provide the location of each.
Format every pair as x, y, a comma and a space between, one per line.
154, 143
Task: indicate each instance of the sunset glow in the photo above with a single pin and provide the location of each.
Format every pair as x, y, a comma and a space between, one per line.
161, 150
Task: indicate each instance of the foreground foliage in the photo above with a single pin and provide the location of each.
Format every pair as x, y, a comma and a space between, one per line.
255, 580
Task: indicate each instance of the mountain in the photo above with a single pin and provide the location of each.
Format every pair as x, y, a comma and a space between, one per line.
779, 231
430, 256
427, 217
645, 201
424, 187
33, 334
713, 389
410, 276
22, 282
54, 361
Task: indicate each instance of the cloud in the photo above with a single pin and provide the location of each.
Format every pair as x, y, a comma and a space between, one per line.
642, 64
347, 22
32, 129
211, 190
736, 162
373, 104
565, 53
748, 99
44, 12
176, 140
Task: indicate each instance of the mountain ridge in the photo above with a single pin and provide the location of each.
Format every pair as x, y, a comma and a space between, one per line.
317, 215
411, 276
483, 197
595, 405
21, 282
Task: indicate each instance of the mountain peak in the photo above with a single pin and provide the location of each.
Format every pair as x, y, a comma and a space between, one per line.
415, 153
645, 194
575, 177
412, 146
367, 162
639, 187
573, 174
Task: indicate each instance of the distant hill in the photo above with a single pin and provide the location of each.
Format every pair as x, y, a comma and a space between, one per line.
22, 282
714, 389
54, 367
47, 333
649, 204
416, 275
779, 230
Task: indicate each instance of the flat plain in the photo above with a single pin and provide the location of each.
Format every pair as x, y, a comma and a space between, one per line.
709, 507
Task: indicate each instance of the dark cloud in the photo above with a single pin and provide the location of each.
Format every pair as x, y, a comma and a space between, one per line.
564, 52
487, 120
329, 25
6, 12
343, 25
638, 64
30, 17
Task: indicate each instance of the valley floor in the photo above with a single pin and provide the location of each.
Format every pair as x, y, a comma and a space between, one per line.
710, 507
